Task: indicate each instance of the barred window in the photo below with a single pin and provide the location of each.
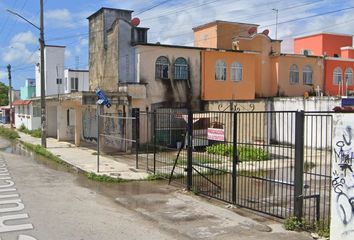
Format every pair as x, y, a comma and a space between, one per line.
220, 70
161, 67
236, 71
307, 75
181, 69
337, 76
349, 76
36, 111
294, 74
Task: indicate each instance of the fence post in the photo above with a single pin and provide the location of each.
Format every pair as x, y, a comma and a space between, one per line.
190, 150
154, 126
234, 158
136, 115
98, 136
299, 164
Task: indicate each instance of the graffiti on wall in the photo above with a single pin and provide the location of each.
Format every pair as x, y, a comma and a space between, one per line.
343, 179
89, 125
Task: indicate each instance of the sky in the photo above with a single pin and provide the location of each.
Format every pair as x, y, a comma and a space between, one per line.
170, 22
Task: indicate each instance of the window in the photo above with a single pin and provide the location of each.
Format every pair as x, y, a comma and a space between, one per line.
66, 83
307, 75
294, 74
161, 66
36, 111
181, 69
220, 70
236, 71
349, 76
74, 84
59, 81
337, 76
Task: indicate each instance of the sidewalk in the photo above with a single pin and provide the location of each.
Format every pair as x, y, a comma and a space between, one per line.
85, 159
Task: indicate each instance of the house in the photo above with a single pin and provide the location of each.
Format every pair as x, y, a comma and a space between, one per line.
29, 90
338, 56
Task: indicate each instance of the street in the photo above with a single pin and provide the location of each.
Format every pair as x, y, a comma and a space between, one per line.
44, 200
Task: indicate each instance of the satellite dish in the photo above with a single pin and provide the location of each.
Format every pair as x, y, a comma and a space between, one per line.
252, 30
266, 32
135, 22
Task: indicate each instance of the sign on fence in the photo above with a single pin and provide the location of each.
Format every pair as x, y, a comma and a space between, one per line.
216, 134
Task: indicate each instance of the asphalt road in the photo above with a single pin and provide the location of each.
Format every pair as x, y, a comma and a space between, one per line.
49, 203
41, 200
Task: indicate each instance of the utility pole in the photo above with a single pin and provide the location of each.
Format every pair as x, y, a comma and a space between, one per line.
43, 109
42, 45
276, 22
10, 94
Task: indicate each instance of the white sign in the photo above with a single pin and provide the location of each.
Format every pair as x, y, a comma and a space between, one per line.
216, 134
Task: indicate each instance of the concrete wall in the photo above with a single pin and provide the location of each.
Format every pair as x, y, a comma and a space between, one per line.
54, 68
26, 117
168, 92
126, 53
52, 121
342, 208
83, 80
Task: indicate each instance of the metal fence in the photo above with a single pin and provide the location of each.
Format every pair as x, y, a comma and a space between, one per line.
278, 163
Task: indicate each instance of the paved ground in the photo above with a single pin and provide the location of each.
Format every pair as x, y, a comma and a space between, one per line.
63, 204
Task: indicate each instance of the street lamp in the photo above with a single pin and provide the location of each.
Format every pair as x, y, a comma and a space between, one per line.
276, 22
41, 43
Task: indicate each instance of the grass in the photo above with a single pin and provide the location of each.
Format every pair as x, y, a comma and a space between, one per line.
104, 178
163, 176
294, 224
34, 133
244, 153
8, 133
308, 166
249, 173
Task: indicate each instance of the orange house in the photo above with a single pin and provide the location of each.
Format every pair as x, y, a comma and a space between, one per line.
228, 75
338, 60
326, 44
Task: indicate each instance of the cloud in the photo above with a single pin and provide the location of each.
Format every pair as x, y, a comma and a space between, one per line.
59, 18
3, 75
18, 50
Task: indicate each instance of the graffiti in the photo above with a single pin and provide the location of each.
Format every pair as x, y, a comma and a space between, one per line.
343, 177
234, 107
89, 126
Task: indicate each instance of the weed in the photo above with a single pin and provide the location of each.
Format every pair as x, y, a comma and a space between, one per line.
104, 178
294, 224
308, 166
244, 153
9, 133
34, 133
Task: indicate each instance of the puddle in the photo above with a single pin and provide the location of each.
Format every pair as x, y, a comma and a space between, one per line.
111, 190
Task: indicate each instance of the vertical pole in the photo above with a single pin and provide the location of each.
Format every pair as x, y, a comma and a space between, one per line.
154, 126
137, 135
98, 137
234, 158
299, 164
43, 110
10, 94
190, 150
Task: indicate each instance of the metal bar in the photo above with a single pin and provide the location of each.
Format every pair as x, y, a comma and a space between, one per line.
108, 116
299, 164
154, 126
234, 158
176, 160
190, 150
98, 138
137, 136
202, 175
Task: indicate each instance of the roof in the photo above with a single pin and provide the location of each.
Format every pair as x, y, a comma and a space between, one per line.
77, 70
106, 8
21, 102
221, 22
323, 33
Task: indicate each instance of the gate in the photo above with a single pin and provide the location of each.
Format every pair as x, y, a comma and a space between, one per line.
277, 163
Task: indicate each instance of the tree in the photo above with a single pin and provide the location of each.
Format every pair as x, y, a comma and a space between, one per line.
4, 94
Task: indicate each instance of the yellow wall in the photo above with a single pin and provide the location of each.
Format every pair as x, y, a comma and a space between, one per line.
228, 90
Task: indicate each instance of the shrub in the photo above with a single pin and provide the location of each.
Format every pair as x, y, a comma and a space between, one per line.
34, 133
244, 153
9, 133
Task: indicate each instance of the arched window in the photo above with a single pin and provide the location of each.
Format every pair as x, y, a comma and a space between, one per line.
161, 67
220, 70
349, 76
337, 76
307, 75
294, 74
236, 71
181, 69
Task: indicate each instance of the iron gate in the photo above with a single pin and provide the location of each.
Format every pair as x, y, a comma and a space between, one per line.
278, 163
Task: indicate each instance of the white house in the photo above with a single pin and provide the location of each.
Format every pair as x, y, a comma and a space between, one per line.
76, 80
54, 71
27, 114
